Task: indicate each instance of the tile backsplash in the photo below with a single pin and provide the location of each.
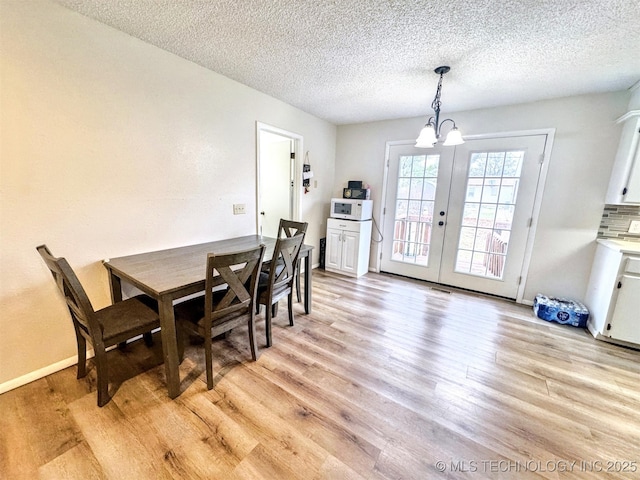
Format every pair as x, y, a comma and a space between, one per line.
616, 220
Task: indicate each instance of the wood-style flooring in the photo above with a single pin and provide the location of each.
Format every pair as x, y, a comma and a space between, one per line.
386, 379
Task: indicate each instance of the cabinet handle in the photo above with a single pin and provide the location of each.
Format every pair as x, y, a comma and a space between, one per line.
624, 191
608, 326
619, 284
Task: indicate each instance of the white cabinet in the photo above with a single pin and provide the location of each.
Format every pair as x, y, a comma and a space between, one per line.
624, 185
348, 244
613, 294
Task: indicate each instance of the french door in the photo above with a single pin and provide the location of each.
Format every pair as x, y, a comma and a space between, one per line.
461, 216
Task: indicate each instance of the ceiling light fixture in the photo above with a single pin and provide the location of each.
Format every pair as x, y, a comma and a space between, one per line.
430, 134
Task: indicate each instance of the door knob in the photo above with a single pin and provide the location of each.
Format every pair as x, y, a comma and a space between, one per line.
442, 213
441, 223
261, 213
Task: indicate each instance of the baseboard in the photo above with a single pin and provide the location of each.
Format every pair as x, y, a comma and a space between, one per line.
42, 372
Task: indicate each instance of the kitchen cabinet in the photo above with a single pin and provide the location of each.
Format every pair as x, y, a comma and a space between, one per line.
348, 245
613, 294
624, 185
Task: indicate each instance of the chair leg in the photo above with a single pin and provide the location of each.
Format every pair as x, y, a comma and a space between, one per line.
290, 305
102, 372
298, 282
252, 338
82, 355
208, 359
269, 311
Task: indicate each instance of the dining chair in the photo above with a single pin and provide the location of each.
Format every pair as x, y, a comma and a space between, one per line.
229, 301
104, 328
290, 228
274, 285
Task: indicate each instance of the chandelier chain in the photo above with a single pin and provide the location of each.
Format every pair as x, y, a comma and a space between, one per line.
436, 101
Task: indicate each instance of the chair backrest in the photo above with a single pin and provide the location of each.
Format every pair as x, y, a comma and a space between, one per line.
80, 307
289, 228
285, 258
239, 271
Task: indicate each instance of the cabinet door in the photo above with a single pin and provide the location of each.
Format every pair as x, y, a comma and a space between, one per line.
633, 184
333, 255
350, 251
624, 185
625, 321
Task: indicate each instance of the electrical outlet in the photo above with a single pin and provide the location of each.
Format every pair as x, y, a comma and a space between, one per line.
239, 209
635, 226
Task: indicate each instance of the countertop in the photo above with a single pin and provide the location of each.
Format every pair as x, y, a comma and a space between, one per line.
624, 246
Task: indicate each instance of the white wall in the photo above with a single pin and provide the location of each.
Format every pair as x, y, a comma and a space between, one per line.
583, 151
110, 146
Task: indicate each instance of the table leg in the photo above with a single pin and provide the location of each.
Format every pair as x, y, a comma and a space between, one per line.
116, 296
307, 283
169, 346
116, 287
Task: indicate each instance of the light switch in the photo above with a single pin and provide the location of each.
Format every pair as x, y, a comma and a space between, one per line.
239, 209
635, 226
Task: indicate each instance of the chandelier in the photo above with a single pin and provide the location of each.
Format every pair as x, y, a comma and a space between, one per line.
430, 134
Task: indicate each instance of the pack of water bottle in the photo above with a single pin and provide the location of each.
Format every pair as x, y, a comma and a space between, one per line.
561, 310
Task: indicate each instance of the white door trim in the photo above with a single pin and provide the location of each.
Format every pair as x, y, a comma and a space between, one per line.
298, 148
549, 132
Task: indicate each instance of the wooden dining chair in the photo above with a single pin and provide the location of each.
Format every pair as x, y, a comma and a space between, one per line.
109, 326
274, 285
228, 302
290, 228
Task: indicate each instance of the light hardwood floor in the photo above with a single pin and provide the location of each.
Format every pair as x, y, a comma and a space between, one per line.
386, 378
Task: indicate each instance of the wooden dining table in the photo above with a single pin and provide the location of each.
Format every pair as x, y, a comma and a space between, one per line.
175, 273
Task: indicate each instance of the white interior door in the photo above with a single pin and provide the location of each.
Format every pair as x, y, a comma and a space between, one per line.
474, 234
278, 178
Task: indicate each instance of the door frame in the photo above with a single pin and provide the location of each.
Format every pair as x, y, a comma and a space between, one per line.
298, 148
526, 262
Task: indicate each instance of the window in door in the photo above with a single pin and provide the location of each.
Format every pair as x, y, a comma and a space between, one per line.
415, 197
489, 206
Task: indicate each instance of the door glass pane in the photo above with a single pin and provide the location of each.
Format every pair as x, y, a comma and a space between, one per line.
470, 215
477, 164
415, 197
416, 188
492, 189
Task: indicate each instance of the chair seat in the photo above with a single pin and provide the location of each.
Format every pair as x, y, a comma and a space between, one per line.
128, 318
263, 280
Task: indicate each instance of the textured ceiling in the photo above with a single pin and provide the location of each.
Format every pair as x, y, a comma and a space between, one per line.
351, 61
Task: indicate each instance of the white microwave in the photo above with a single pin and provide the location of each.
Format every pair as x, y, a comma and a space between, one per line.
351, 209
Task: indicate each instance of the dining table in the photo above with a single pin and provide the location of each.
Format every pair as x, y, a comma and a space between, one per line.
175, 273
